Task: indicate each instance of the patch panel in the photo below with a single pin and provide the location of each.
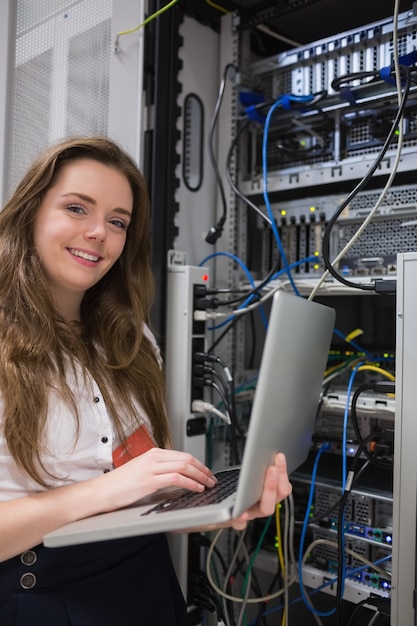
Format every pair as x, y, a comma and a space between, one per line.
336, 132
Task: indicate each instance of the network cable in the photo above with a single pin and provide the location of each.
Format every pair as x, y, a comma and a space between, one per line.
326, 237
341, 523
243, 126
206, 315
381, 286
332, 581
142, 24
324, 447
385, 387
249, 296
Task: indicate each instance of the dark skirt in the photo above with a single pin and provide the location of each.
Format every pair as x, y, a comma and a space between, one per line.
129, 582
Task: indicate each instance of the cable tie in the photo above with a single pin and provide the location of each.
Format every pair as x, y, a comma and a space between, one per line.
406, 60
254, 115
349, 481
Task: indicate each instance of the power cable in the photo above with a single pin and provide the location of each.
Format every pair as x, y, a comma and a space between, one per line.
216, 230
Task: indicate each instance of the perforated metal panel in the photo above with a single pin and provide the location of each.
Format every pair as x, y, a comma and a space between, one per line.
88, 81
31, 111
61, 77
382, 237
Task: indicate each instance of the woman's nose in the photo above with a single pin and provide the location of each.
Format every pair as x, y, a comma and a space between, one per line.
96, 229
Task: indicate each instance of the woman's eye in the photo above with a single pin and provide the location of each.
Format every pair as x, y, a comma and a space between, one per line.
119, 223
75, 208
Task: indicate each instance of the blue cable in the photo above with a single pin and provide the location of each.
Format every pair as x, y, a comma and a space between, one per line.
353, 344
309, 259
249, 277
345, 420
325, 446
235, 259
265, 194
344, 468
321, 587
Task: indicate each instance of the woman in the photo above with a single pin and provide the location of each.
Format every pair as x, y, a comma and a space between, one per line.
83, 425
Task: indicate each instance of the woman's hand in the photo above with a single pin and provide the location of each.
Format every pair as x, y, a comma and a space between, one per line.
153, 470
277, 487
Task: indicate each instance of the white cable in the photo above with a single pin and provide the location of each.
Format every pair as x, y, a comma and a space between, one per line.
199, 406
286, 556
374, 618
272, 33
334, 544
226, 595
293, 561
207, 315
231, 566
247, 590
393, 171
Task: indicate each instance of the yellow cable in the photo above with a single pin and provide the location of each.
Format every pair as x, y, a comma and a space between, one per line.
216, 6
279, 539
373, 368
279, 547
334, 368
355, 333
148, 19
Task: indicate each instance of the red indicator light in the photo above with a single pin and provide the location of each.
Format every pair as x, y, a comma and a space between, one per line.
205, 277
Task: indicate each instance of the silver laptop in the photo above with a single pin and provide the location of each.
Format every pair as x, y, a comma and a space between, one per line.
282, 419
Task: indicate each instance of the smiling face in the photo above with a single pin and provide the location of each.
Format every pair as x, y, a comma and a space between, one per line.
80, 229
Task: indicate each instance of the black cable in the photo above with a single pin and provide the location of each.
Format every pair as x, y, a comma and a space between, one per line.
359, 187
372, 458
340, 522
224, 333
261, 617
229, 391
241, 568
233, 434
243, 126
212, 373
356, 610
334, 506
216, 230
231, 394
255, 290
252, 352
227, 385
231, 182
338, 83
202, 541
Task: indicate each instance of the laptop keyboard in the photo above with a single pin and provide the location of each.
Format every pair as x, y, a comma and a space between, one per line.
227, 483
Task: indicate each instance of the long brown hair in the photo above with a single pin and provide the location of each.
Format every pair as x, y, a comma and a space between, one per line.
37, 344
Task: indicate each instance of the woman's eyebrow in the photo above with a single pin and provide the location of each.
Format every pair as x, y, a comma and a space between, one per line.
86, 198
82, 196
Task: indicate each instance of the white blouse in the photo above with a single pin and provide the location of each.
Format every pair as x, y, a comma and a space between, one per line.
68, 457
